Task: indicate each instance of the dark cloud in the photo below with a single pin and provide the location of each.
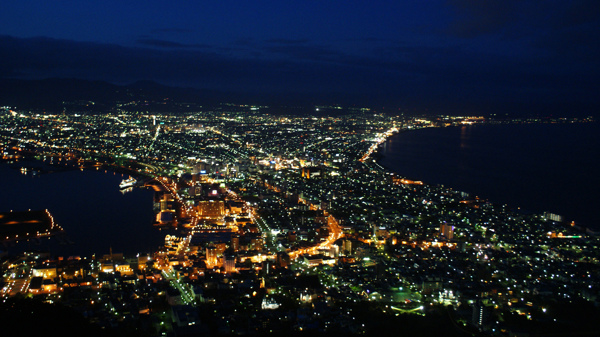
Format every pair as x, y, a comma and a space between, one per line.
571, 34
373, 40
577, 46
168, 44
520, 19
172, 30
45, 57
288, 41
244, 41
579, 13
446, 78
474, 18
306, 52
528, 52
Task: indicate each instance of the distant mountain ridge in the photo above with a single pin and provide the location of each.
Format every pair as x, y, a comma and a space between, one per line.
55, 94
59, 94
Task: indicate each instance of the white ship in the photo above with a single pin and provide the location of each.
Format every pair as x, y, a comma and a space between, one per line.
126, 190
127, 183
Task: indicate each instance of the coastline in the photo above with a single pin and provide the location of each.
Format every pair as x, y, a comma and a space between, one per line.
387, 157
88, 229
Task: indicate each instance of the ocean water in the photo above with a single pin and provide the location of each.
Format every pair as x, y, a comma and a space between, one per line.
535, 167
88, 206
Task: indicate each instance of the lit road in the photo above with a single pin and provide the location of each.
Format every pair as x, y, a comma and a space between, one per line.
17, 283
186, 294
335, 232
377, 141
270, 239
184, 245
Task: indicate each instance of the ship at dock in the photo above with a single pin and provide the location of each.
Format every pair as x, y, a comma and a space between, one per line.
126, 183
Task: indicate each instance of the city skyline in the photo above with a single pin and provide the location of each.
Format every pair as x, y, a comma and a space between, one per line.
279, 224
301, 169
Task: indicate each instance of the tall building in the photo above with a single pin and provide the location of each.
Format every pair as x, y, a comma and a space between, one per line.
447, 231
235, 242
553, 217
211, 209
347, 247
211, 256
229, 263
166, 202
257, 242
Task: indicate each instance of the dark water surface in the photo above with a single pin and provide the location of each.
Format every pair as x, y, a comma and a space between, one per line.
538, 167
89, 206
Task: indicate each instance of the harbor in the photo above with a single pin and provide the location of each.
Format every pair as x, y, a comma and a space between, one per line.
88, 205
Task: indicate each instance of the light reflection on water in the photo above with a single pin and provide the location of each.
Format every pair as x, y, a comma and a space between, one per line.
539, 167
89, 206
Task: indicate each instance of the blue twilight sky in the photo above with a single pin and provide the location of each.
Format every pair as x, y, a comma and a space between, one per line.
438, 55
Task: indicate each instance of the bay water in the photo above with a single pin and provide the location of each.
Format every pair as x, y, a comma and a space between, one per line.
535, 167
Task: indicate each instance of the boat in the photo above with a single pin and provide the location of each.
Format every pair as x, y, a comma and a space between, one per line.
127, 183
126, 190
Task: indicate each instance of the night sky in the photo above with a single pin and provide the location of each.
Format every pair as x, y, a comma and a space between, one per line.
454, 56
